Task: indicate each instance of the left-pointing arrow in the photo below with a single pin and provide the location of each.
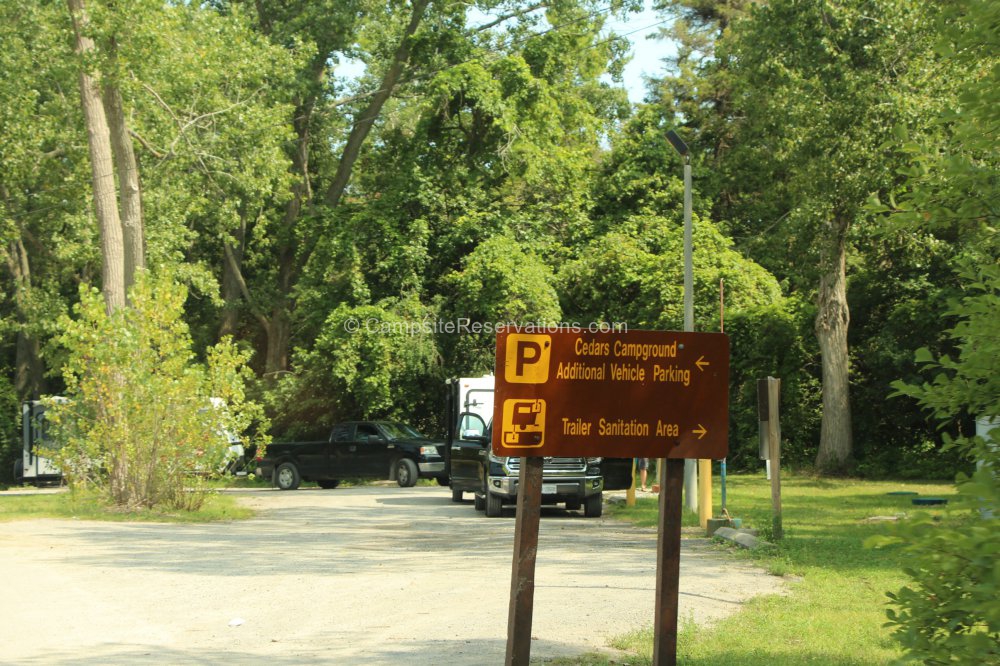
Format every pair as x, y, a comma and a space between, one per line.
700, 431
701, 362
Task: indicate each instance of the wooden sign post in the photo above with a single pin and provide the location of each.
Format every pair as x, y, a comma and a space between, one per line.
774, 452
522, 576
668, 564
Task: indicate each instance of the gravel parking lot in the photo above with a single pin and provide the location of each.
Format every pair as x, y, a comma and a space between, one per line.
373, 575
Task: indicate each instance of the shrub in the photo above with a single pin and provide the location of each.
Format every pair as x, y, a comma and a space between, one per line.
950, 612
773, 340
139, 422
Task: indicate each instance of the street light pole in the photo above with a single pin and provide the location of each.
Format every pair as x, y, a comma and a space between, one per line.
690, 466
688, 259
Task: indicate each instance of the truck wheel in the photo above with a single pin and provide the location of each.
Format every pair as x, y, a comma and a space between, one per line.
286, 477
494, 505
456, 495
406, 473
594, 506
479, 502
328, 484
19, 472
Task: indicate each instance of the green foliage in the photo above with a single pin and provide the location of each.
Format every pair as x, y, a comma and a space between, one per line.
10, 433
950, 611
47, 240
486, 192
369, 361
208, 105
817, 91
635, 274
890, 320
499, 282
773, 340
211, 101
139, 424
642, 175
950, 614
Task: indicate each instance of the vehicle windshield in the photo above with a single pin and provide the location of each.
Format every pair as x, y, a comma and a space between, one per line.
400, 431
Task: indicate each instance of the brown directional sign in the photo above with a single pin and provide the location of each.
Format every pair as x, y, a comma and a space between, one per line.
656, 394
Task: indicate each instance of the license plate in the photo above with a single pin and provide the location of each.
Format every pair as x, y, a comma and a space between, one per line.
549, 489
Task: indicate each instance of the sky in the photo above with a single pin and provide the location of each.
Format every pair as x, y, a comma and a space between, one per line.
647, 54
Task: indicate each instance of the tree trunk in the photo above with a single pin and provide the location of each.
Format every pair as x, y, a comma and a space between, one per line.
28, 370
133, 232
231, 291
290, 259
832, 319
101, 168
279, 336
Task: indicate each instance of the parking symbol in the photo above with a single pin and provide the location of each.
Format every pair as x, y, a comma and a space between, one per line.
527, 360
523, 423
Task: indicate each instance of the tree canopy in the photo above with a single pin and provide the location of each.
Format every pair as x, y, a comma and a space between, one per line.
302, 165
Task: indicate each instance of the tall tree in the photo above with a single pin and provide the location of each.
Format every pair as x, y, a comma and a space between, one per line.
481, 169
101, 162
329, 31
130, 191
209, 102
418, 45
696, 88
819, 88
46, 235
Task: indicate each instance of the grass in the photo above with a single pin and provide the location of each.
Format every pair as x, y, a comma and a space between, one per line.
646, 512
835, 607
87, 506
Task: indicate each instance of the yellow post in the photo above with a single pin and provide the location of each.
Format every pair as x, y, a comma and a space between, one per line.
630, 493
704, 492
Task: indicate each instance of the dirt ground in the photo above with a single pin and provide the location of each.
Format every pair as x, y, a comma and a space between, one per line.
373, 575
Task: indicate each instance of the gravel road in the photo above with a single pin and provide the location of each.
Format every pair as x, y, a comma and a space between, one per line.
370, 575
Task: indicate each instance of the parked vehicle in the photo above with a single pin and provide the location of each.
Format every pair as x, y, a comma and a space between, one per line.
355, 450
31, 467
472, 467
238, 457
39, 470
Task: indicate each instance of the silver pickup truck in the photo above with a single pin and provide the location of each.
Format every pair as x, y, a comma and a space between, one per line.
472, 467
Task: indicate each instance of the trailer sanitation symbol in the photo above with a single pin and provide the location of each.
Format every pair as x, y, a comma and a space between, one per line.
523, 423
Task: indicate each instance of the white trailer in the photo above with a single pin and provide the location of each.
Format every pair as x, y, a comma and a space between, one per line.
475, 396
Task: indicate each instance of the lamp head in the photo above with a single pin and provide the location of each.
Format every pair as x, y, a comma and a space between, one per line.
677, 142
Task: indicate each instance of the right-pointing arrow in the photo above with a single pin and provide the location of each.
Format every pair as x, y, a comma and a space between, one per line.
700, 431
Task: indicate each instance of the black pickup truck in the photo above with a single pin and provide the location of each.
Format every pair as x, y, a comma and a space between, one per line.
355, 450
